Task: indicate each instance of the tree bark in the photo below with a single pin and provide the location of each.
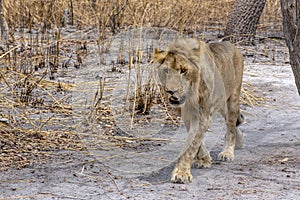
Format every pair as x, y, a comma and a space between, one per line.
291, 28
243, 20
1, 19
3, 24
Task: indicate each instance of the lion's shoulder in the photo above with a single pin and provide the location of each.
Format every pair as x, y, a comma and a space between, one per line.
222, 48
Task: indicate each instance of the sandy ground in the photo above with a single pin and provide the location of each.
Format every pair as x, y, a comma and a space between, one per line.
268, 167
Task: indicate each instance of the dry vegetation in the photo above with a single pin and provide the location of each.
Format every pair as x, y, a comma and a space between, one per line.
117, 15
34, 106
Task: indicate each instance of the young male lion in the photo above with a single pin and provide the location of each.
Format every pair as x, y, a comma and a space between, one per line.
202, 79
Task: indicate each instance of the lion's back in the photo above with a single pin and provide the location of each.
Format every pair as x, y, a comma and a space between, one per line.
226, 52
229, 60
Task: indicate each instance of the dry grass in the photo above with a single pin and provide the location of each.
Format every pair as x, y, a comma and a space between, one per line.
181, 15
21, 147
35, 107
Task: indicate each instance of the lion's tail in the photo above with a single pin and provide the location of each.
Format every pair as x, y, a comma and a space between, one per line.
240, 119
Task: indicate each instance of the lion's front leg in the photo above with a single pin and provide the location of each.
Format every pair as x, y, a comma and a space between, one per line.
182, 170
182, 173
202, 159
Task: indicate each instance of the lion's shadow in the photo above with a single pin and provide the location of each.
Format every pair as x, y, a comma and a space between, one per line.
163, 175
160, 176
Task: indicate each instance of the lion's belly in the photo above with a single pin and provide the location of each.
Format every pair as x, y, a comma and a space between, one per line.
219, 95
228, 79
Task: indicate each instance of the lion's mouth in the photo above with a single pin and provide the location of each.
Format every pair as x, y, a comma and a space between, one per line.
176, 101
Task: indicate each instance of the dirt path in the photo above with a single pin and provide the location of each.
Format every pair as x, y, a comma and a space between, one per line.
267, 168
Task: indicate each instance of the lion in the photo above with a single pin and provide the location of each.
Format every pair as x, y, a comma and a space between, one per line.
202, 79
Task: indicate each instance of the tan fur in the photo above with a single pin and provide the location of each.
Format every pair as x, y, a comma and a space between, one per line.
202, 79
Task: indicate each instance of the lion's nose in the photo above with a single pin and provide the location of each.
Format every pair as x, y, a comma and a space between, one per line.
172, 98
170, 92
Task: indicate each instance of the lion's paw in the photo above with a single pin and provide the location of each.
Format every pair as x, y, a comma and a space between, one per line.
181, 176
202, 162
226, 155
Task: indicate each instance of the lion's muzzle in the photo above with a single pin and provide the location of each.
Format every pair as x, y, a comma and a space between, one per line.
175, 101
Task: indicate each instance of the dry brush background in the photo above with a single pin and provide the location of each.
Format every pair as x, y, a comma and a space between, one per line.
117, 15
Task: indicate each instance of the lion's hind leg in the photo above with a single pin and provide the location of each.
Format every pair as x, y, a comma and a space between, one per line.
239, 144
202, 159
234, 137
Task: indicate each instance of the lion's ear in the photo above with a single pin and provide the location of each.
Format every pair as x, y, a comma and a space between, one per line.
159, 56
201, 45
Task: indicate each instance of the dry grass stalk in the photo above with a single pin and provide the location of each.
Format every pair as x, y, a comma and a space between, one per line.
250, 97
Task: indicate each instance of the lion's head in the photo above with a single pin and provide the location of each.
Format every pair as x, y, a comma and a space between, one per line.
179, 69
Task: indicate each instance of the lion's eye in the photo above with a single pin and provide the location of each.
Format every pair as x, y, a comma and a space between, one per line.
183, 71
166, 70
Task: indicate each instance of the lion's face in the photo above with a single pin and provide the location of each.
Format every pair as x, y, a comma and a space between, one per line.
175, 74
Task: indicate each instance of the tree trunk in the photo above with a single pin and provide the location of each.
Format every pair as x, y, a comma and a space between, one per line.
291, 28
3, 24
243, 20
1, 18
